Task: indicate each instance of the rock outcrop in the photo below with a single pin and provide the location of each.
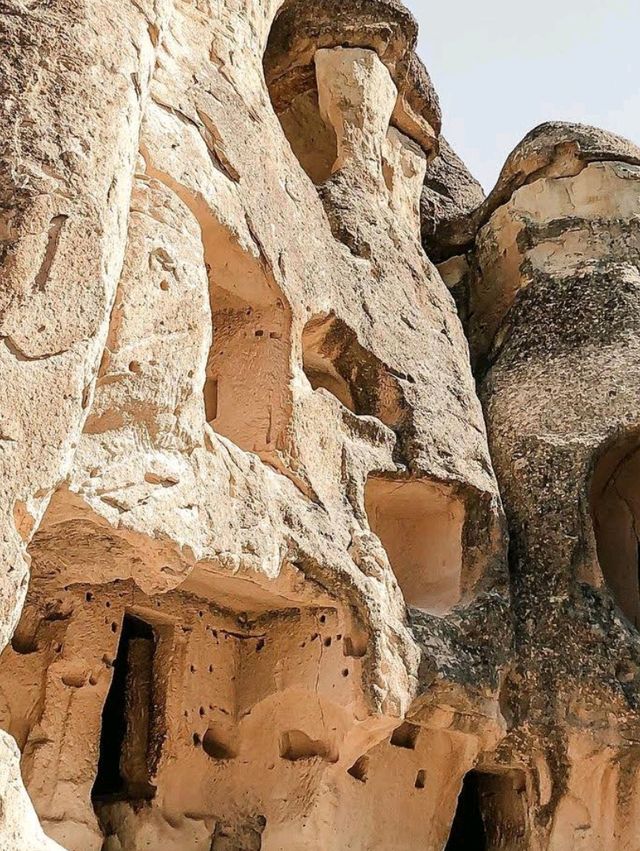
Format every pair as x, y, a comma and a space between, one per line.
247, 480
554, 322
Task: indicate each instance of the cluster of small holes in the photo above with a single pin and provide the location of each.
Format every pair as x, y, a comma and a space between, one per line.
197, 737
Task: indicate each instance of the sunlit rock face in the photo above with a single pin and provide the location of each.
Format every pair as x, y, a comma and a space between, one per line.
258, 590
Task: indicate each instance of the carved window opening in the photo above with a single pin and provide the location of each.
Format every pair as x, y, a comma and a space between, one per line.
247, 377
405, 736
490, 813
615, 504
246, 391
420, 525
296, 745
128, 718
334, 360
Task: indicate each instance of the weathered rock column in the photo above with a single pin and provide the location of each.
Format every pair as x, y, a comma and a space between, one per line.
74, 79
555, 325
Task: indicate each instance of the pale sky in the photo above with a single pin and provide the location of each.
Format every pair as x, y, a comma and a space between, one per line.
502, 66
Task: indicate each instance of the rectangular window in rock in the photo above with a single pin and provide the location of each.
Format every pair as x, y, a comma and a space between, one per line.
420, 525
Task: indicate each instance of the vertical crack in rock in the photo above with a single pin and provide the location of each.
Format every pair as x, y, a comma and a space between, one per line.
53, 238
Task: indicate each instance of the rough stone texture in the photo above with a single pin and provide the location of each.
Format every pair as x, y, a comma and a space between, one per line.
554, 325
271, 601
450, 193
385, 26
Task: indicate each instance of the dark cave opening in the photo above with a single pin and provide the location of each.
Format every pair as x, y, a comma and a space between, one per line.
123, 770
491, 814
615, 508
467, 830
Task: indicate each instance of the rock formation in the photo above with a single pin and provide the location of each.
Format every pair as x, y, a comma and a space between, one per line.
263, 588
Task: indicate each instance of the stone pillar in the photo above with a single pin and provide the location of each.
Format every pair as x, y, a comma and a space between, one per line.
555, 307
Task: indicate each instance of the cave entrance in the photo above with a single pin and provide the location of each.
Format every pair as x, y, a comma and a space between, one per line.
420, 524
467, 829
246, 392
127, 718
491, 813
615, 507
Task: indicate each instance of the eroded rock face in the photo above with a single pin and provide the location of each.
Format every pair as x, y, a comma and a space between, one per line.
266, 396
554, 327
450, 195
245, 465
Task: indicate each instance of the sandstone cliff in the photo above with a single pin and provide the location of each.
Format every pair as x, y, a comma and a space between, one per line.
288, 564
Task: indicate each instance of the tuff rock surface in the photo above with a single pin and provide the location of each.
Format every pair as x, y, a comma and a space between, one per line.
287, 563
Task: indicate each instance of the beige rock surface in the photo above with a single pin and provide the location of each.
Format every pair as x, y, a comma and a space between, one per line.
246, 475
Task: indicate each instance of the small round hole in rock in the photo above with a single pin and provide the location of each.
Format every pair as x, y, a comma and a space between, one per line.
215, 748
24, 644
